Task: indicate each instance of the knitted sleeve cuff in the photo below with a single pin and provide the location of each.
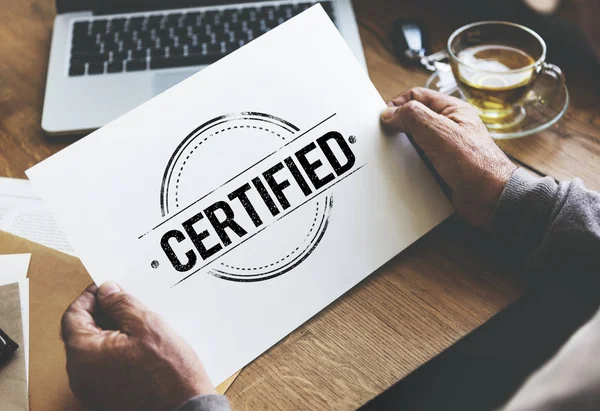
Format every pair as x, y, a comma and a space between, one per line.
524, 211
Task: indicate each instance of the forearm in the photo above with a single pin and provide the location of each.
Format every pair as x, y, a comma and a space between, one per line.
554, 227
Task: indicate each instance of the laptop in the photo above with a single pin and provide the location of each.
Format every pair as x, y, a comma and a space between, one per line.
109, 56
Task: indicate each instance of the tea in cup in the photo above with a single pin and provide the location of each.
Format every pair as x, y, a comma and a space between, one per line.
495, 65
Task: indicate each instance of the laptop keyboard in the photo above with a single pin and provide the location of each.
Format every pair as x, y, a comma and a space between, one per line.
172, 39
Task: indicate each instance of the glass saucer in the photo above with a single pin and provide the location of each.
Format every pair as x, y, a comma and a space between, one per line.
540, 113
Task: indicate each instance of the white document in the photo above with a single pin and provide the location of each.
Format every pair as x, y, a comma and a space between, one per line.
244, 200
13, 269
23, 213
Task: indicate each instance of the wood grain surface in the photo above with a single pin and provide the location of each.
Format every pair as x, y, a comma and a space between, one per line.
439, 289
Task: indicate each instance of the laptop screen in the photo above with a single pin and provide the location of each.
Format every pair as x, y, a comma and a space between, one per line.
108, 6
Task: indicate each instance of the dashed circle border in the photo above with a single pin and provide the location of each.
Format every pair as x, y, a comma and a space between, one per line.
328, 201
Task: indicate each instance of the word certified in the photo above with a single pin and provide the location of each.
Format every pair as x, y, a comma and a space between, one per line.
251, 206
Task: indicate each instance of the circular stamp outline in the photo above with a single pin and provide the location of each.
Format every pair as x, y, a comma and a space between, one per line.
188, 144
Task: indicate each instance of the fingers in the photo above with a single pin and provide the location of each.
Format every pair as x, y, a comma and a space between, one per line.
125, 312
412, 117
436, 101
78, 320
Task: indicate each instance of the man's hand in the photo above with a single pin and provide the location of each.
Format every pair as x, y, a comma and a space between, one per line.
121, 356
459, 146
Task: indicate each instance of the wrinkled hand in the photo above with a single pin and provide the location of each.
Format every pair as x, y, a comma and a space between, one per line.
459, 146
121, 356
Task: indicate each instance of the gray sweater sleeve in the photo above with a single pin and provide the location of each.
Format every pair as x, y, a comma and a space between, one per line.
206, 403
554, 227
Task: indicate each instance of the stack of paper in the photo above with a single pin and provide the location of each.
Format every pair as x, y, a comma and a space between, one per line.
14, 320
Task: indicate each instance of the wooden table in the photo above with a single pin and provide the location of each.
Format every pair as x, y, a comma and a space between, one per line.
422, 301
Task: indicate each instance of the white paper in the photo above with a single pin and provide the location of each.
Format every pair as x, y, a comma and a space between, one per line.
13, 269
23, 213
121, 190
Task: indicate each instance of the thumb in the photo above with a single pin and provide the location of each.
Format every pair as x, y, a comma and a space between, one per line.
123, 311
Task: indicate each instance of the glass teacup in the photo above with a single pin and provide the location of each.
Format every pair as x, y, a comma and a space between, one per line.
495, 65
